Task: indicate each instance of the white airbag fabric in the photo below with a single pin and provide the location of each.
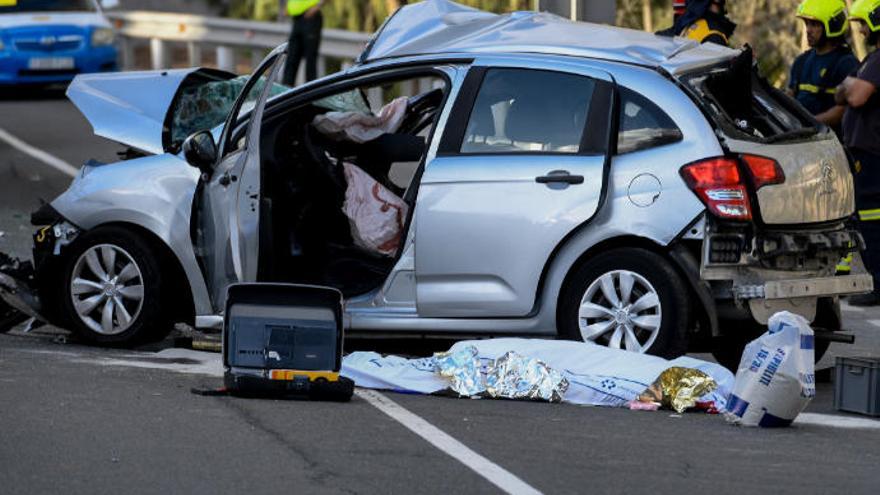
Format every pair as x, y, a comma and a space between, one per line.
375, 214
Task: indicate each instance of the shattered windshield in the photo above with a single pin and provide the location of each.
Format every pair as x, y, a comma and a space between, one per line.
18, 6
204, 103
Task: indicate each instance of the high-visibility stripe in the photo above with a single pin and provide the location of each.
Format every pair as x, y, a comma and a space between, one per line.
299, 7
700, 30
868, 215
810, 88
843, 266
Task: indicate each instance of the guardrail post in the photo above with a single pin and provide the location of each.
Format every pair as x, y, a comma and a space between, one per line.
194, 53
257, 56
158, 54
322, 66
126, 53
226, 58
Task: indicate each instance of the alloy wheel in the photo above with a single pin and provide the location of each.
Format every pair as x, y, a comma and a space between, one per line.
107, 289
620, 309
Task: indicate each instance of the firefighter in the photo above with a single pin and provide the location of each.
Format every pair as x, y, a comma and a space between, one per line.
678, 9
817, 72
705, 21
861, 135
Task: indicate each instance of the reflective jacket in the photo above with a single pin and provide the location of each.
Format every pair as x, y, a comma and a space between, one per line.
712, 28
299, 7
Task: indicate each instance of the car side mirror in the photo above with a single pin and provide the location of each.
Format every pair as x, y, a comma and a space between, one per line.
200, 151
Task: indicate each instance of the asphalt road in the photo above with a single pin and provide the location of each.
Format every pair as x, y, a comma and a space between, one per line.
76, 419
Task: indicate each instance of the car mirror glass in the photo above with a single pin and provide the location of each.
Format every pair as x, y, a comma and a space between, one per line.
200, 151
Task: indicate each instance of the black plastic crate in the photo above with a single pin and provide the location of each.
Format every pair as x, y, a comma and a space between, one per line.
857, 385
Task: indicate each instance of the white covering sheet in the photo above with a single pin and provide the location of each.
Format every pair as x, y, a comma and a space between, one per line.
597, 375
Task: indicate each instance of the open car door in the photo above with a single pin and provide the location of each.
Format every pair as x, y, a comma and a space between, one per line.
227, 205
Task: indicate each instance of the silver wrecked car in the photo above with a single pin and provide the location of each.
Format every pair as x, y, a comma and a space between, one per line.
562, 179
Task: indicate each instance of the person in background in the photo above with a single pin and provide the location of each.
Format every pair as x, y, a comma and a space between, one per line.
678, 9
704, 21
305, 38
817, 72
861, 136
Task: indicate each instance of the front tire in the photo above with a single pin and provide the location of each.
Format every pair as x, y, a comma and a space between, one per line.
630, 299
112, 289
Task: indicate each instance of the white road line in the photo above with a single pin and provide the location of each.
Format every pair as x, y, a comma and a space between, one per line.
50, 160
836, 421
876, 323
495, 474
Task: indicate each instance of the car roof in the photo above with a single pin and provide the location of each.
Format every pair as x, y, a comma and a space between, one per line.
442, 26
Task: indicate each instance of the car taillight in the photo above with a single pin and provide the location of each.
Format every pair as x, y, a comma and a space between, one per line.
718, 182
765, 171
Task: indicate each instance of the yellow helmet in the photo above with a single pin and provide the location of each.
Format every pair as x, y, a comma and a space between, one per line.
831, 13
868, 11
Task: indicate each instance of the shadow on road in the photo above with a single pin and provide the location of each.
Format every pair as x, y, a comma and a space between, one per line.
33, 93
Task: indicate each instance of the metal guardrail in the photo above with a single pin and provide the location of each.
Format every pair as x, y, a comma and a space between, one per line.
235, 43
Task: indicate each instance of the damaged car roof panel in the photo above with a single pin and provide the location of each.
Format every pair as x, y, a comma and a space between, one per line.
442, 26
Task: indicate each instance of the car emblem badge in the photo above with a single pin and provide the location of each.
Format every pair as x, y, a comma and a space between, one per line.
827, 178
47, 40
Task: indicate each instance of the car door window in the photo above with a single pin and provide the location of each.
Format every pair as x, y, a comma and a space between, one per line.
269, 73
525, 110
643, 124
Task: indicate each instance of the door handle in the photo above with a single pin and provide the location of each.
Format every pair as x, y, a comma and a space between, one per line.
560, 176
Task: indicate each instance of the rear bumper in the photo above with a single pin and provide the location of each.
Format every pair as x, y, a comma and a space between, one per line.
14, 65
811, 287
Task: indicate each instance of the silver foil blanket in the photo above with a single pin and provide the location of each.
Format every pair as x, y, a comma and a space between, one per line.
463, 371
512, 376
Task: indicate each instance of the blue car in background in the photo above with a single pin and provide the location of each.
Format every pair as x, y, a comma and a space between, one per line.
51, 41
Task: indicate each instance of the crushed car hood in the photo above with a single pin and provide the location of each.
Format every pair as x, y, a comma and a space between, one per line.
438, 26
143, 109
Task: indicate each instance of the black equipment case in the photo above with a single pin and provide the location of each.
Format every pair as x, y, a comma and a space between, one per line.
284, 340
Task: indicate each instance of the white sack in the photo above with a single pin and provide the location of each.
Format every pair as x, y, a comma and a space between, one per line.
376, 215
597, 375
775, 379
361, 127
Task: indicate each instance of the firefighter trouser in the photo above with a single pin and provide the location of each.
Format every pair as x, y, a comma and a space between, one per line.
867, 181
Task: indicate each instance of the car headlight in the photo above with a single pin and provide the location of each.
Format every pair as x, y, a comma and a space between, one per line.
102, 37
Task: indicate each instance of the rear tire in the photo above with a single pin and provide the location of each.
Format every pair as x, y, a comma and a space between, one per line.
627, 298
113, 291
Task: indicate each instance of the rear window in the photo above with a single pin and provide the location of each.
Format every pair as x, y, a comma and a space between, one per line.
10, 6
745, 106
643, 124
